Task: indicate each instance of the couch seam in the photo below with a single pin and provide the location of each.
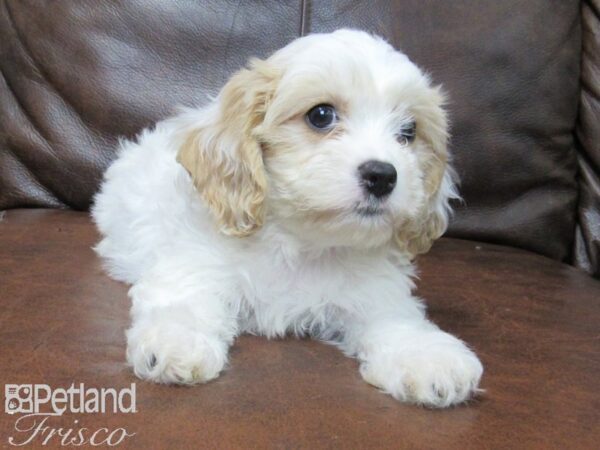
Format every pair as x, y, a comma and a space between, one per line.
304, 5
581, 154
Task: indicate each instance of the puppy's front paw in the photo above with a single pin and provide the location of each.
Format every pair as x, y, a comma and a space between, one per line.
433, 369
171, 353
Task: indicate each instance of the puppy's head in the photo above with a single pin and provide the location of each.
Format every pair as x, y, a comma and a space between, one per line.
337, 137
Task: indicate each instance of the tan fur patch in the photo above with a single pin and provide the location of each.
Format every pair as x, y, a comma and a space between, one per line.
417, 236
225, 159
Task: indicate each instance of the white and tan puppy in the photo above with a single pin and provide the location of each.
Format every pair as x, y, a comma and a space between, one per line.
292, 203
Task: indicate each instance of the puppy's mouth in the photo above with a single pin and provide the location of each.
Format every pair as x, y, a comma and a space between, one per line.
371, 209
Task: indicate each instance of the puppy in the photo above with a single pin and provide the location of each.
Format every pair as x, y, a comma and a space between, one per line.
291, 204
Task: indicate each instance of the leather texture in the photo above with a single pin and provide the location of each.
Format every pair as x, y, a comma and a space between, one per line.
533, 321
587, 244
79, 75
76, 75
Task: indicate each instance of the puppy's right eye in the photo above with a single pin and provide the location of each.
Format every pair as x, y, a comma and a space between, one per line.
322, 117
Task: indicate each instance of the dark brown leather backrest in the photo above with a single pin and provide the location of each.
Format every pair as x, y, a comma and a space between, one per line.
587, 238
76, 75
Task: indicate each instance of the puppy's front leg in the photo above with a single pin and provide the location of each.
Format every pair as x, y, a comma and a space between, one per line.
182, 326
413, 360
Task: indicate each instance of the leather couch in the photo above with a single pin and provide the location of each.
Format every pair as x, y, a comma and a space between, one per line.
514, 276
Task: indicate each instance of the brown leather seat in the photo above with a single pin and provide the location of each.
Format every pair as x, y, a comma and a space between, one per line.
525, 107
533, 321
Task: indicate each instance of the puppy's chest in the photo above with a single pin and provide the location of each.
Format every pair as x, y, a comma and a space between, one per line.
272, 280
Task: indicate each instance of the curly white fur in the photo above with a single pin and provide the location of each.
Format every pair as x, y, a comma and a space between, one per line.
240, 218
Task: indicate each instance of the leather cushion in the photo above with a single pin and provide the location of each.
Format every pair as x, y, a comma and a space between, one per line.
77, 75
533, 322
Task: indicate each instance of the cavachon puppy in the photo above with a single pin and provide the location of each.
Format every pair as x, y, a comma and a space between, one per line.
293, 203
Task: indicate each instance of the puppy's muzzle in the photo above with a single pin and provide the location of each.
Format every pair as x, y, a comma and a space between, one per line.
378, 178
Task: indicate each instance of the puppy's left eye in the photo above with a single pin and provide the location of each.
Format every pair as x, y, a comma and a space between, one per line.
407, 133
322, 117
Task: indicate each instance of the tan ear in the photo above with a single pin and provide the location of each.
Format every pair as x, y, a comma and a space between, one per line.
417, 235
221, 150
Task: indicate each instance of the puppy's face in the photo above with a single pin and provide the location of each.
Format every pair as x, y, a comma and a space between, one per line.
337, 137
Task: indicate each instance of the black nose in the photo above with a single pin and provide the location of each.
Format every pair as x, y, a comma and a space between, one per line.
379, 178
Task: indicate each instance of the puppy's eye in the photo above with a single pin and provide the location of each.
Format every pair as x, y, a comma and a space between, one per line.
322, 117
407, 133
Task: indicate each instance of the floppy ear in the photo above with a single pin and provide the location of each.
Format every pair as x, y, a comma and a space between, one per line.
220, 149
417, 235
